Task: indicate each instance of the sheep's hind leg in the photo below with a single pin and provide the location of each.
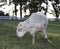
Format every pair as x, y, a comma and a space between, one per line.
45, 36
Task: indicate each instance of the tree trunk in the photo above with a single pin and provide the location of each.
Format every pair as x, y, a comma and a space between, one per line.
15, 11
46, 6
20, 11
56, 12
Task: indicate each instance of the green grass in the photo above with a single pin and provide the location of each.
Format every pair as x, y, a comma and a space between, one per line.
9, 40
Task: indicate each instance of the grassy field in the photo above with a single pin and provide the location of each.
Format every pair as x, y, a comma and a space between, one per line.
9, 40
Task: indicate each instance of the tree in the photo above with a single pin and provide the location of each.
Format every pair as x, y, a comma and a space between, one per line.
46, 1
35, 5
21, 2
16, 3
56, 11
1, 13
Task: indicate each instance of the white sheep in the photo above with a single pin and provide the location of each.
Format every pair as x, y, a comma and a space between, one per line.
36, 23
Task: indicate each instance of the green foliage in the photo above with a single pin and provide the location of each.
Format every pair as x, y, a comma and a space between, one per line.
20, 1
34, 6
57, 1
9, 40
15, 1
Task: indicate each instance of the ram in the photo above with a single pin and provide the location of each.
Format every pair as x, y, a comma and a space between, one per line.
36, 23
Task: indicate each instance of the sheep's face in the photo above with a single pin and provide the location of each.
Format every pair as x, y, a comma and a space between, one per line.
21, 34
20, 31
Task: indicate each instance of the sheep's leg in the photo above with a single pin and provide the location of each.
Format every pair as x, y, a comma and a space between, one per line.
44, 34
33, 40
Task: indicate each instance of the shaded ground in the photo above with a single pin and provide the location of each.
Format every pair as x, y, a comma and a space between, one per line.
9, 40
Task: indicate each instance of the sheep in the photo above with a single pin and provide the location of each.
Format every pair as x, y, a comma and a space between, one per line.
37, 22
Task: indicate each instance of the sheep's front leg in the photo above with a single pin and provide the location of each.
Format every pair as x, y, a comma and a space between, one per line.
33, 40
44, 34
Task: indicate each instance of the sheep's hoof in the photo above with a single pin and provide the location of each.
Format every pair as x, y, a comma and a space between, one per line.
46, 39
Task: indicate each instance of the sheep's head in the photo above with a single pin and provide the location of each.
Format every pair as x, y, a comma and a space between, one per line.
20, 30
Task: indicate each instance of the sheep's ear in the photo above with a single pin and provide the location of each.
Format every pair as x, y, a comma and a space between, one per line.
21, 23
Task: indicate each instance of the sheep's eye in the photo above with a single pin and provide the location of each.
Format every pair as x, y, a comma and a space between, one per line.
20, 29
20, 24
